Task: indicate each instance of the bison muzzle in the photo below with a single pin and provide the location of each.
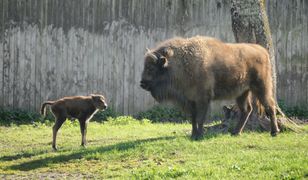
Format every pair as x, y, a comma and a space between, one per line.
192, 72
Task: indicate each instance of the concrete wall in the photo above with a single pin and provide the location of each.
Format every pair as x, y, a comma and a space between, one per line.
55, 48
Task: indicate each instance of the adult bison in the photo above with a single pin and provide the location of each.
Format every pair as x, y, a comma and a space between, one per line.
192, 72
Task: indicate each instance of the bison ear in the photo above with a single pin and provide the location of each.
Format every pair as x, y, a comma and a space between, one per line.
163, 62
167, 52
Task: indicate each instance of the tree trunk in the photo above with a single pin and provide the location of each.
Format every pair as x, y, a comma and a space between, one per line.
250, 25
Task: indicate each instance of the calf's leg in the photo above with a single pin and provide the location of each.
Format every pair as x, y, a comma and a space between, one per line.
83, 129
59, 121
244, 104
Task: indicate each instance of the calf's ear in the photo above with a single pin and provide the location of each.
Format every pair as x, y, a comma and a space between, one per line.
226, 112
95, 97
226, 109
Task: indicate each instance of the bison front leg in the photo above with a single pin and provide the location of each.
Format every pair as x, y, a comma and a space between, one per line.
201, 111
193, 111
194, 131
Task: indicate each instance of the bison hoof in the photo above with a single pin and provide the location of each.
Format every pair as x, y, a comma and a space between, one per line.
196, 136
83, 145
235, 133
274, 134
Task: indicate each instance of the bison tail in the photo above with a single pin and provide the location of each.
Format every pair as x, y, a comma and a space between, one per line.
43, 107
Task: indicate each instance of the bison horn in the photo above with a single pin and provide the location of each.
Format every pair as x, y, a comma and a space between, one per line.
153, 56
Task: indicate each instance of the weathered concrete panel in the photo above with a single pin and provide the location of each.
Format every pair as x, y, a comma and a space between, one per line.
55, 48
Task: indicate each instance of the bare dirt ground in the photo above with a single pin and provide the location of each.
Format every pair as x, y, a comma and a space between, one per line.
48, 175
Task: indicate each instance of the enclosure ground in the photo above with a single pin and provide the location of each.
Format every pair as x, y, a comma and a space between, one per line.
142, 150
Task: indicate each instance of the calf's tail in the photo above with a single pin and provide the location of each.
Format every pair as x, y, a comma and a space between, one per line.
43, 107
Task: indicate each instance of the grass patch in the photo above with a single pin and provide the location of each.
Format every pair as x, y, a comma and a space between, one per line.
161, 113
16, 117
124, 147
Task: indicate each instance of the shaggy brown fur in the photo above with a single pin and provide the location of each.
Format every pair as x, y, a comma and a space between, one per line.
192, 72
80, 107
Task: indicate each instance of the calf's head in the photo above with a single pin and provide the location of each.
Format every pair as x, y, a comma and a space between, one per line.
99, 101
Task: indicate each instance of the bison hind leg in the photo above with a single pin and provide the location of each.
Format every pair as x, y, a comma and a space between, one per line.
264, 95
270, 110
244, 104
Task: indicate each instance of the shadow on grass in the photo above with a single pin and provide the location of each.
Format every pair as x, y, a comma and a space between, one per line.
206, 136
21, 155
123, 146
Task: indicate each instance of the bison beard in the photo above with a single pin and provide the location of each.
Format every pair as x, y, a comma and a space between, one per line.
192, 72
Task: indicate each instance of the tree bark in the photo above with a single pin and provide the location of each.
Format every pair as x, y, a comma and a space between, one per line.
250, 25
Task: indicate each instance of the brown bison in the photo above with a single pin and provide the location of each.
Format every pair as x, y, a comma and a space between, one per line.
192, 72
80, 107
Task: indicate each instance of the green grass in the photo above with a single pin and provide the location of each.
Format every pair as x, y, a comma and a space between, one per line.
124, 148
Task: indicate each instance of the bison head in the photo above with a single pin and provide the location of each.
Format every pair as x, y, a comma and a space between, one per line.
155, 69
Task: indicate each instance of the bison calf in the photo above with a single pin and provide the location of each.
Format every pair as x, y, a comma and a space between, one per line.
192, 72
79, 107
